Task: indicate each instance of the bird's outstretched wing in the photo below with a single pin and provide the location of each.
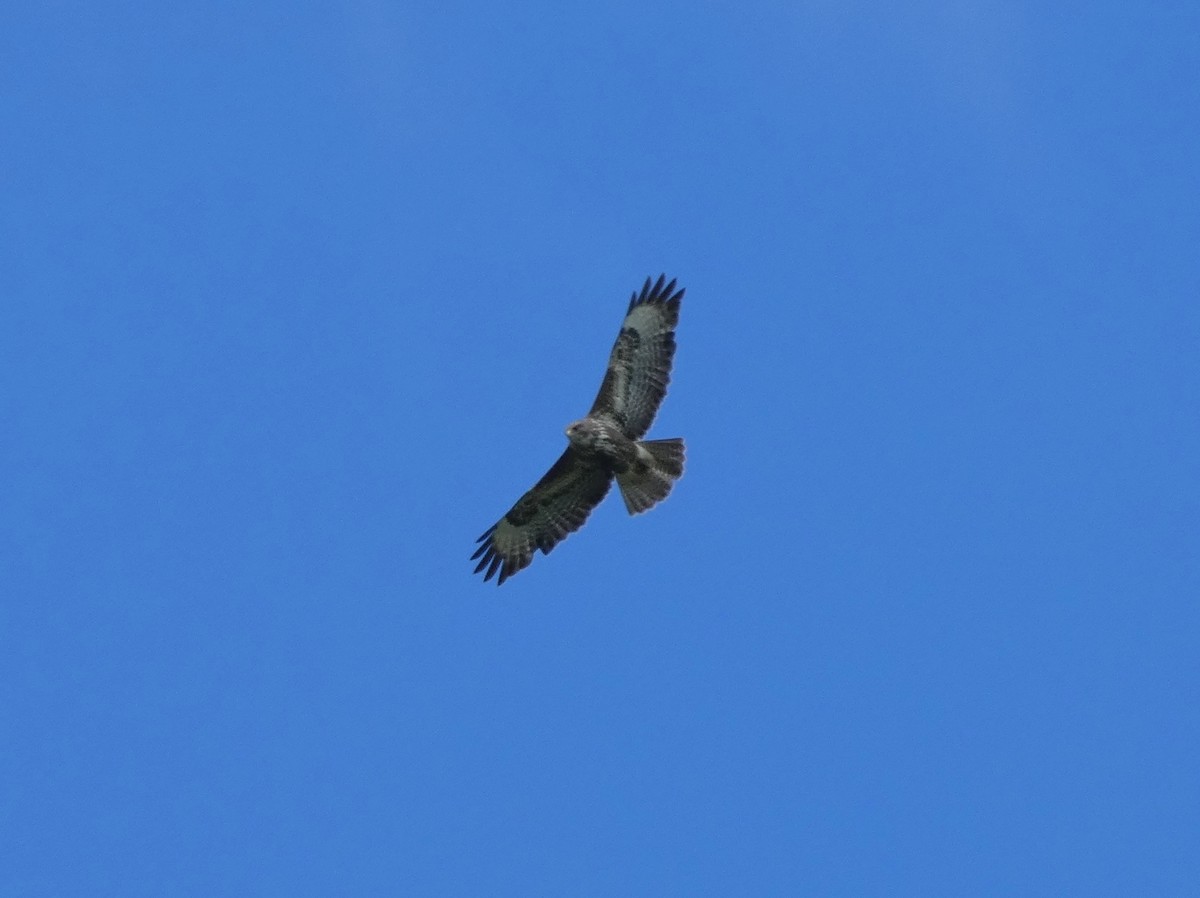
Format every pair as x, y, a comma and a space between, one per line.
639, 366
557, 505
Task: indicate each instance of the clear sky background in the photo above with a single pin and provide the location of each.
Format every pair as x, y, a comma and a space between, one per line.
295, 301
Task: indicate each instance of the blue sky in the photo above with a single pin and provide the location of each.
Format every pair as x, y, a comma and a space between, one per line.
297, 300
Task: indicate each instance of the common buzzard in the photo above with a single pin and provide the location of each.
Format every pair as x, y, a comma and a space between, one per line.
606, 444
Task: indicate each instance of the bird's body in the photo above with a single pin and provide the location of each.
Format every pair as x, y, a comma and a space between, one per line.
599, 440
603, 446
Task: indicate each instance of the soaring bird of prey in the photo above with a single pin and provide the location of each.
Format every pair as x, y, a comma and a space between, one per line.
604, 445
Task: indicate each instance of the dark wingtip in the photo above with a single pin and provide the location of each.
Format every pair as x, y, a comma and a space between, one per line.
493, 567
660, 291
492, 562
484, 541
638, 298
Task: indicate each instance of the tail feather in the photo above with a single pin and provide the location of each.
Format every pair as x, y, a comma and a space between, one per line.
650, 478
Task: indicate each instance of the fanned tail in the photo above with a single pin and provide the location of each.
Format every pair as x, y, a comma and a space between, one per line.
650, 478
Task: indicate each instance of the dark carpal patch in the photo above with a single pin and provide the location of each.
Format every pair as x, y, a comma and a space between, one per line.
522, 513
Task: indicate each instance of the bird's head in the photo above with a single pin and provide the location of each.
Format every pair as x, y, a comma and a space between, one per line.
581, 433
